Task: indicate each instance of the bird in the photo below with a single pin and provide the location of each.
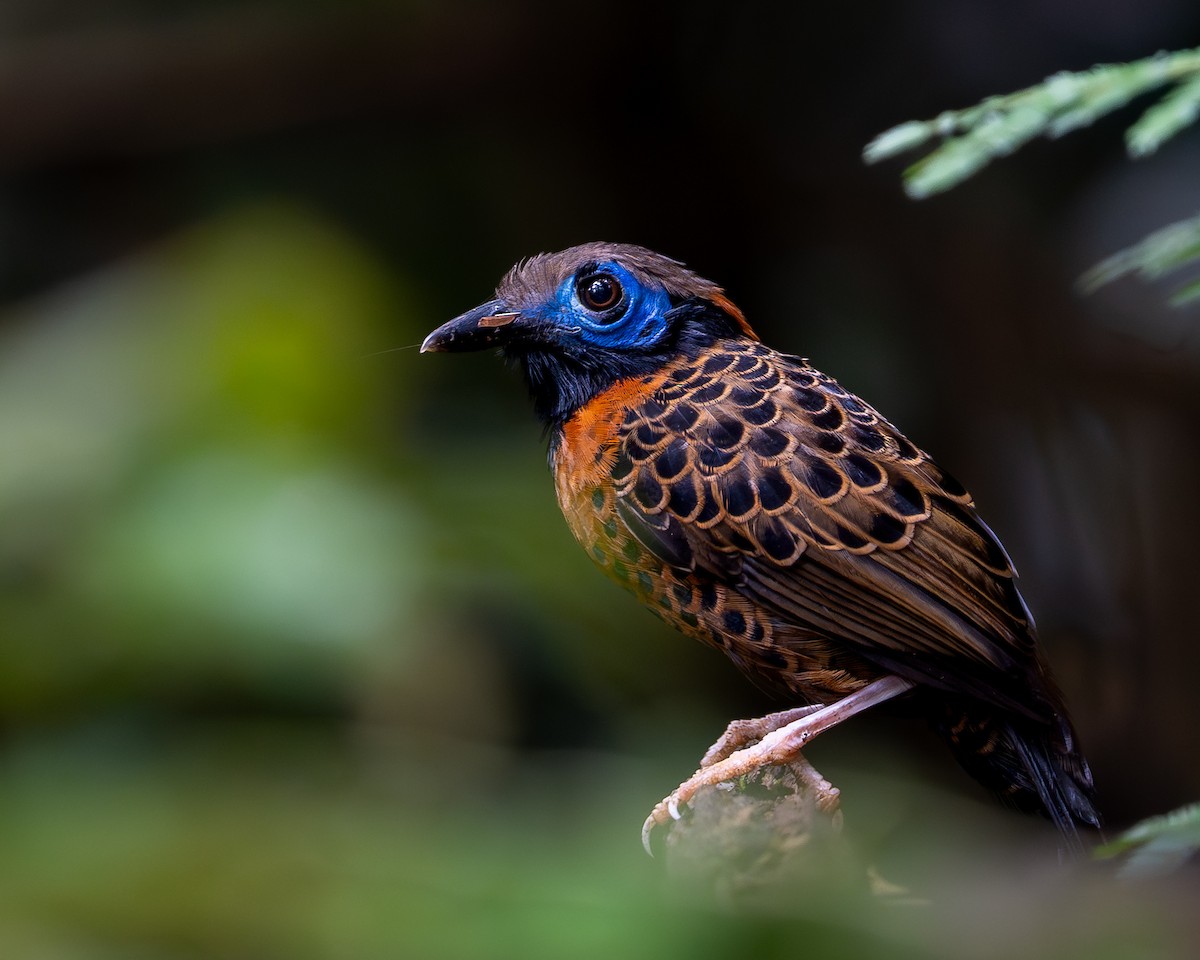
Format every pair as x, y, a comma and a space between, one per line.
756, 505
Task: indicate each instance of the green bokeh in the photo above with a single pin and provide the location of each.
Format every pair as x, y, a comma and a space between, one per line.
257, 699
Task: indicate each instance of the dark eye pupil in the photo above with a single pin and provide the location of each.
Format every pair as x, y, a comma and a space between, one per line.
599, 292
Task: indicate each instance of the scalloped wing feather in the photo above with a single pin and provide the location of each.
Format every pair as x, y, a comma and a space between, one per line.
763, 473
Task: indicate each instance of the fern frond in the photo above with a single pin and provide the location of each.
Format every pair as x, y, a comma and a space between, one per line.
1178, 109
1164, 251
971, 138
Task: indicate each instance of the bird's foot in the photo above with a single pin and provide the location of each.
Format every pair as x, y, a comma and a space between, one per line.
781, 744
777, 746
743, 733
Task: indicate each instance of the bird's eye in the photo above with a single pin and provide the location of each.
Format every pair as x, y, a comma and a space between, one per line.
599, 292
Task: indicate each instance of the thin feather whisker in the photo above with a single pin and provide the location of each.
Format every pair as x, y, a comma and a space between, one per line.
380, 353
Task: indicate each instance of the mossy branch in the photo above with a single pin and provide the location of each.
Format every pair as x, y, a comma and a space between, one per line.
757, 838
968, 140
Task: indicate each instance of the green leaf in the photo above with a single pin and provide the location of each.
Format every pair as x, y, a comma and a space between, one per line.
1166, 249
1159, 845
944, 168
1172, 113
1099, 97
1186, 294
897, 140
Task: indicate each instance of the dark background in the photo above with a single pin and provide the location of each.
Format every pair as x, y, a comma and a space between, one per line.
297, 656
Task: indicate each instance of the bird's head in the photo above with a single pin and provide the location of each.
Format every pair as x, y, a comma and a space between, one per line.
579, 320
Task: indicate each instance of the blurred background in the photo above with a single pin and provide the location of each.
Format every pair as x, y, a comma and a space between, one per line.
297, 657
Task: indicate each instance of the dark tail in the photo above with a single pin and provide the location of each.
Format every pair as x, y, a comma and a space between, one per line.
1034, 767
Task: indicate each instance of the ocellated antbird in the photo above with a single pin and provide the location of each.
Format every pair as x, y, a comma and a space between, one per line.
756, 505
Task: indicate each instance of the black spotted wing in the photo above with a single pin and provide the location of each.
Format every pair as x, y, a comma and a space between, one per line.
755, 470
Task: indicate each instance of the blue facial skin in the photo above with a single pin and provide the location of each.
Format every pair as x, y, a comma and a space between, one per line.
570, 353
641, 325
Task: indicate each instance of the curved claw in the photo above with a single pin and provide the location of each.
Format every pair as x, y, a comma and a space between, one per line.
647, 829
664, 811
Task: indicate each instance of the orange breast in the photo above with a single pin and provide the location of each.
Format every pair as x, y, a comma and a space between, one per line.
588, 448
715, 613
583, 464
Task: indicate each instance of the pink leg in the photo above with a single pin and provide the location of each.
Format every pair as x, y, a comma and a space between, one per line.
740, 733
779, 745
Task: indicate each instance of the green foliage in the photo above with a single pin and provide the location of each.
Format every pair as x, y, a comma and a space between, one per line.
250, 712
1157, 845
970, 139
1165, 251
1166, 118
183, 471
